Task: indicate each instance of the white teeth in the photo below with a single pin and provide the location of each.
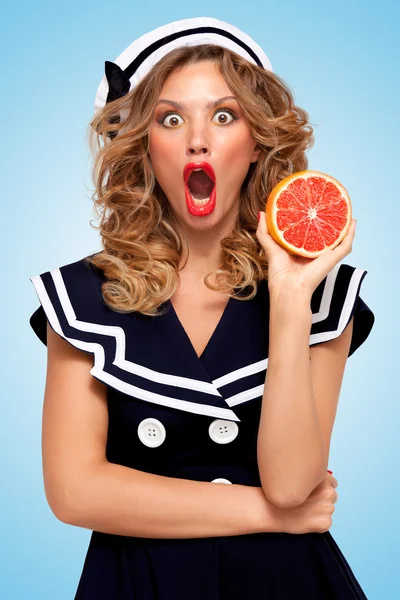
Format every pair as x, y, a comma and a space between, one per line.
200, 202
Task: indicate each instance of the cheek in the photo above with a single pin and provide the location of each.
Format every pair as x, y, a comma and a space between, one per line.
160, 151
163, 155
237, 153
238, 146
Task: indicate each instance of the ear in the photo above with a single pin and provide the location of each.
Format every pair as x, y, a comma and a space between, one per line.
256, 154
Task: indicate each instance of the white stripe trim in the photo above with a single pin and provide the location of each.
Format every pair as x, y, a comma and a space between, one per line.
323, 313
327, 294
147, 373
119, 334
351, 294
249, 369
99, 357
246, 395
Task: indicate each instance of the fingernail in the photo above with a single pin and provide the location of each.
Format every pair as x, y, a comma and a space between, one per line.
259, 215
329, 471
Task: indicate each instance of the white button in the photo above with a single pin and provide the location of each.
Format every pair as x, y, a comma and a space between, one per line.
221, 480
223, 432
151, 432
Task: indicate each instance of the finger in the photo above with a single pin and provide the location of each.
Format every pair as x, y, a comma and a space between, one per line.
262, 223
347, 242
351, 231
326, 261
263, 236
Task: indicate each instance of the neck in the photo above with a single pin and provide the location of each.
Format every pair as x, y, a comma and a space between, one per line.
202, 250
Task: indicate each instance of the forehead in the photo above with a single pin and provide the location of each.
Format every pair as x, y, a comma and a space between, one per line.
197, 77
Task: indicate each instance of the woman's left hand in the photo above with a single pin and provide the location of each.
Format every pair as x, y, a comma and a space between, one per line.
297, 273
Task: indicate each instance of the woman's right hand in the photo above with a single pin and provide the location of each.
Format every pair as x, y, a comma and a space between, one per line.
315, 514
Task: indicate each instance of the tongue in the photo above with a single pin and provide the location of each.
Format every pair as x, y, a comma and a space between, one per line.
200, 185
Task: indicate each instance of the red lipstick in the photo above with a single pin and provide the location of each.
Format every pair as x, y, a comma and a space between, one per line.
205, 209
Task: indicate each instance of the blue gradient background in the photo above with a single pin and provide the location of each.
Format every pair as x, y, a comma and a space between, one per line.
341, 62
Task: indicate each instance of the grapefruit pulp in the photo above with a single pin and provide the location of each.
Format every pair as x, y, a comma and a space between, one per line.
308, 213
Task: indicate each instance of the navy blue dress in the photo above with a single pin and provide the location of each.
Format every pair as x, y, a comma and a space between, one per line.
174, 414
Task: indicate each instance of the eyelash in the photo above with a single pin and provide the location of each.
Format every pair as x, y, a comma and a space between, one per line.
165, 115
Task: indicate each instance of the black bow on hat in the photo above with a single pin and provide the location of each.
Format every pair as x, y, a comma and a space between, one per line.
118, 81
118, 86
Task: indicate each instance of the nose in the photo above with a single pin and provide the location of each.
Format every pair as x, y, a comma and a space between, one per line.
198, 143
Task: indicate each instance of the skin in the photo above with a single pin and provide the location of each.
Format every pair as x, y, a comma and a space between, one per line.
197, 133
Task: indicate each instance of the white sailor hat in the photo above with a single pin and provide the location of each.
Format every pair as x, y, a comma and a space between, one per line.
142, 54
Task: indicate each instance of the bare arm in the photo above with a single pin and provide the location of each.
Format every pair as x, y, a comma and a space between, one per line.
116, 499
300, 401
292, 455
86, 490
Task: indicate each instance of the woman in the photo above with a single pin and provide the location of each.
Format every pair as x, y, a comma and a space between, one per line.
141, 414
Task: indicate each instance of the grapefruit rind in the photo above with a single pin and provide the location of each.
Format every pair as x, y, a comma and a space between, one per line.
271, 211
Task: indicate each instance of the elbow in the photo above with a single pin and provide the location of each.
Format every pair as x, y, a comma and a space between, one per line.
290, 493
66, 514
288, 496
282, 496
62, 514
64, 504
283, 500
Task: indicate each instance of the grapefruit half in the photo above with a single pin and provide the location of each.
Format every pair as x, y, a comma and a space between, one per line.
308, 213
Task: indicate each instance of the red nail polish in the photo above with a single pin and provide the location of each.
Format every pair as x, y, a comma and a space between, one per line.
259, 215
329, 471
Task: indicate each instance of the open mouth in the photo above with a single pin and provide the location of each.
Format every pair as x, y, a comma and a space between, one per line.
199, 181
200, 186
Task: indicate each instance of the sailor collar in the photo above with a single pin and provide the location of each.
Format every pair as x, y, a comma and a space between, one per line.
153, 359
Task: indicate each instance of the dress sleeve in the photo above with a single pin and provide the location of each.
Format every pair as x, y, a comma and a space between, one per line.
335, 301
67, 296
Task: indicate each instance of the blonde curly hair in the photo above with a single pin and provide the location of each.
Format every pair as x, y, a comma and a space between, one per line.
142, 246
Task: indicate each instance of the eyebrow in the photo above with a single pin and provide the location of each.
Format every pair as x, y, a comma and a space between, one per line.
182, 106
